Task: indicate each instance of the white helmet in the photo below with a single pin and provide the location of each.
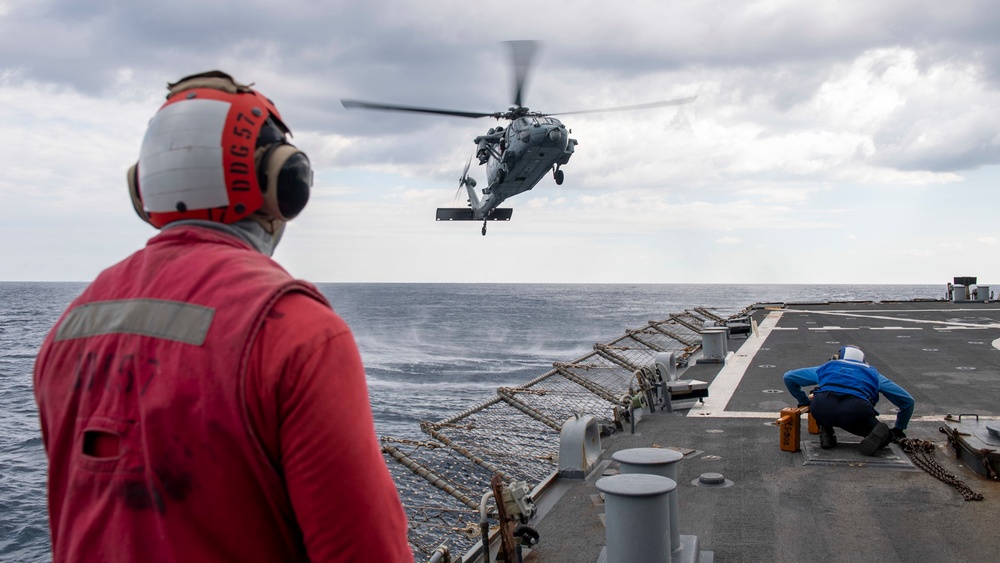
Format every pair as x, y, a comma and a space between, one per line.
851, 353
216, 150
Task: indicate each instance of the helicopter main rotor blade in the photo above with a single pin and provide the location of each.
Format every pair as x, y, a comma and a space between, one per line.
676, 102
521, 54
350, 104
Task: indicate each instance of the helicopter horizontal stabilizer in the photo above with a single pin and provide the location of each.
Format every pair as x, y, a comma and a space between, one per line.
465, 214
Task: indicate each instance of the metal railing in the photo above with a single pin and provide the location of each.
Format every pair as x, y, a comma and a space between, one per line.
516, 434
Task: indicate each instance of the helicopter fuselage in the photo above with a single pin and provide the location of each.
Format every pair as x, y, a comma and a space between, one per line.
518, 157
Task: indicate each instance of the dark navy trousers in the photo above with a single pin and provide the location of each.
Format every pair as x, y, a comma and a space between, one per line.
851, 413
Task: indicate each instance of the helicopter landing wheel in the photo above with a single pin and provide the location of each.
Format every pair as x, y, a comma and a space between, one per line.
559, 176
484, 228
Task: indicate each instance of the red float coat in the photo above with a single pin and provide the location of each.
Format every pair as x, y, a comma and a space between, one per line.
199, 404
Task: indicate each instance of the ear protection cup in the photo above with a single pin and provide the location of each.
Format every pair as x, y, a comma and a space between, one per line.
133, 192
285, 179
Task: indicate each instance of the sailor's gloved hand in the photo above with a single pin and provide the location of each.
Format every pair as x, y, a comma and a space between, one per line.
898, 433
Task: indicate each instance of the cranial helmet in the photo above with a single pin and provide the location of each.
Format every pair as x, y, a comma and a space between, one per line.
852, 353
217, 150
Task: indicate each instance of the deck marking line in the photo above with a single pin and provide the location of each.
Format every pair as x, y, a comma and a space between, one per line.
859, 314
774, 416
728, 379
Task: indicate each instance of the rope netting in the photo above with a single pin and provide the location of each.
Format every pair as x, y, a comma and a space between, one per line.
516, 434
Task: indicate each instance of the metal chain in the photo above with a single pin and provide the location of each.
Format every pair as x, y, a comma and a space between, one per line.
922, 454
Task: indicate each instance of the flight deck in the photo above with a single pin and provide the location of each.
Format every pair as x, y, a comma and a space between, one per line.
814, 504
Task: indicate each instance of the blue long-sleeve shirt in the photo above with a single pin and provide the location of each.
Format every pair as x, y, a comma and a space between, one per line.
796, 379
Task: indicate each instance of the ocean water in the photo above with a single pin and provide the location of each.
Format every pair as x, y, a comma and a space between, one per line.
430, 351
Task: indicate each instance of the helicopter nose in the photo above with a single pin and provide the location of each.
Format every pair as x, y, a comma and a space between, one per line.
556, 135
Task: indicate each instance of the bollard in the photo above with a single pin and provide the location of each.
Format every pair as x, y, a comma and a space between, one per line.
655, 461
714, 345
637, 517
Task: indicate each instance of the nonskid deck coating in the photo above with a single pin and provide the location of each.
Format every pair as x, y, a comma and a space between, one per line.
938, 352
783, 508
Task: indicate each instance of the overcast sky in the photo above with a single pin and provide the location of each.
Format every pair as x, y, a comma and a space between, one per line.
830, 142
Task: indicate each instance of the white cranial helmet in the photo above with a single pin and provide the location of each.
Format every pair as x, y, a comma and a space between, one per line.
852, 353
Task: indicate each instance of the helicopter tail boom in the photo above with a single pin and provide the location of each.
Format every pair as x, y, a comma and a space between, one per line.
466, 214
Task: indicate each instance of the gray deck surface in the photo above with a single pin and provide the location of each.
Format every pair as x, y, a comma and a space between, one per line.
819, 505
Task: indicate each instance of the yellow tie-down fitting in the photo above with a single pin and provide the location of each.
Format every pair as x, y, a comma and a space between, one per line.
789, 424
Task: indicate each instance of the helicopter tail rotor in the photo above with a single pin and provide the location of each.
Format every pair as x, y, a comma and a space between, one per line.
465, 179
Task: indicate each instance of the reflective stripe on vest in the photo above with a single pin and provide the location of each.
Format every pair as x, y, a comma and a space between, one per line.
169, 320
191, 480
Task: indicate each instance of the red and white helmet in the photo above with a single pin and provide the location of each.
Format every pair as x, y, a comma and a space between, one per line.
217, 150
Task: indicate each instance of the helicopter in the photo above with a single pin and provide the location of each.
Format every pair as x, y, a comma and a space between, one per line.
516, 157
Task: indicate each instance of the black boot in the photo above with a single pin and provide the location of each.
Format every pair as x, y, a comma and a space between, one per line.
827, 439
878, 438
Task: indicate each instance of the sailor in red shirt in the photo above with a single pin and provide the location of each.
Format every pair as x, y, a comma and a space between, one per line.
197, 403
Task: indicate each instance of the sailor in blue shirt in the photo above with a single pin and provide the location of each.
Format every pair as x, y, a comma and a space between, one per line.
846, 397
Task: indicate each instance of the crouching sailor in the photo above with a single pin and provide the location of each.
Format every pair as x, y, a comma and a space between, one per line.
846, 397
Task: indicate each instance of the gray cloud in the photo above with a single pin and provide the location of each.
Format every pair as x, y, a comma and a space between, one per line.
308, 55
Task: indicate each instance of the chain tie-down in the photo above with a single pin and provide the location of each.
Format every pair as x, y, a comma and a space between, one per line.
921, 452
